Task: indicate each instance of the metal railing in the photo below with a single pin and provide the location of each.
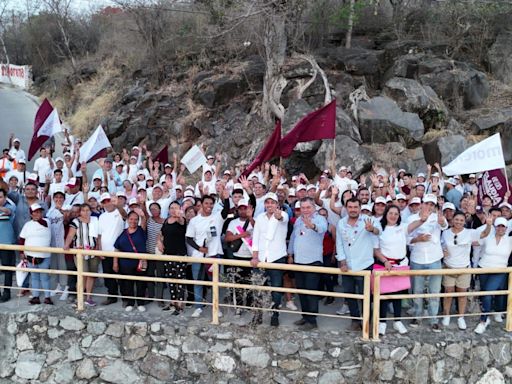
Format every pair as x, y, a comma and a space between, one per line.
367, 297
215, 282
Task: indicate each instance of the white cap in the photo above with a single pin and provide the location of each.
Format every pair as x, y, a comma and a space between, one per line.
401, 170
190, 187
498, 221
59, 159
133, 157
415, 200
448, 205
188, 193
141, 172
456, 177
97, 177
252, 176
389, 199
22, 161
227, 172
238, 186
35, 207
291, 192
421, 174
472, 175
104, 196
380, 200
366, 207
59, 189
188, 198
121, 194
505, 205
135, 147
73, 182
167, 165
149, 178
32, 176
295, 177
16, 140
210, 157
67, 154
343, 168
297, 205
401, 196
429, 198
451, 181
132, 201
178, 186
243, 203
300, 187
141, 188
158, 186
311, 186
381, 173
207, 170
435, 174
272, 196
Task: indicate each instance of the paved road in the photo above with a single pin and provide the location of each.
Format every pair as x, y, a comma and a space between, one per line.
17, 112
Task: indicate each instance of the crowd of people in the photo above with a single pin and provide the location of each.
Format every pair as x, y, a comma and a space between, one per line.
136, 205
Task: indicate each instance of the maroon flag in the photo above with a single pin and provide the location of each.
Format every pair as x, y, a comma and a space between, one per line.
163, 155
318, 125
269, 151
493, 184
46, 124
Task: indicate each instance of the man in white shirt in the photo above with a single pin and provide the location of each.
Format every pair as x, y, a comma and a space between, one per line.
74, 195
204, 236
342, 181
426, 253
57, 185
43, 166
110, 227
15, 151
109, 176
269, 246
20, 172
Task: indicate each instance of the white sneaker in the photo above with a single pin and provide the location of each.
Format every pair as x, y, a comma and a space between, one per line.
461, 323
141, 308
382, 329
399, 327
343, 310
197, 312
482, 326
64, 295
497, 318
129, 308
291, 306
446, 321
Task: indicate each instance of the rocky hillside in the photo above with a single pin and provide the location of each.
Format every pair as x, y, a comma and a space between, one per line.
412, 106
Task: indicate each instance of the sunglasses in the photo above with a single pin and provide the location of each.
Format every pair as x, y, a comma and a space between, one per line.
455, 239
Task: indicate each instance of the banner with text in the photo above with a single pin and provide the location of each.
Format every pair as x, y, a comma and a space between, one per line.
493, 184
18, 75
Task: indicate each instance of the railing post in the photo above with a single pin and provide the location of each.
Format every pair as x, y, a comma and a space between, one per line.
508, 323
215, 294
376, 305
366, 307
80, 281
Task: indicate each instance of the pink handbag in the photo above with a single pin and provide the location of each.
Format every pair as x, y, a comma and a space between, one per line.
390, 284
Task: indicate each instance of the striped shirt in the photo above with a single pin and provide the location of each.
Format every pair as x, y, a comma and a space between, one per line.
153, 230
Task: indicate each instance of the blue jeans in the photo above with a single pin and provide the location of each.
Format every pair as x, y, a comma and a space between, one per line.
492, 282
434, 286
40, 280
198, 274
276, 280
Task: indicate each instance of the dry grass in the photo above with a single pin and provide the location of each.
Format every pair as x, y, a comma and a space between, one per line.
434, 134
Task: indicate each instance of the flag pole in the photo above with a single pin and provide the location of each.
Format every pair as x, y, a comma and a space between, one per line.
506, 178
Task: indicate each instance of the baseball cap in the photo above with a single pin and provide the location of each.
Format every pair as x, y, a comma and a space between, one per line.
141, 188
380, 200
448, 205
141, 172
34, 207
401, 170
498, 221
121, 194
22, 161
133, 201
421, 174
96, 178
472, 175
179, 187
505, 205
109, 160
32, 177
415, 200
311, 186
451, 181
16, 140
435, 174
227, 172
429, 198
343, 168
209, 157
158, 186
188, 193
104, 196
401, 196
150, 178
60, 190
295, 177
167, 165
297, 205
207, 170
366, 207
301, 187
73, 182
243, 203
59, 159
389, 199
135, 147
272, 196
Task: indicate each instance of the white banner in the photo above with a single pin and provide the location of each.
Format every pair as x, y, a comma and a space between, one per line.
481, 157
193, 159
19, 75
95, 144
51, 125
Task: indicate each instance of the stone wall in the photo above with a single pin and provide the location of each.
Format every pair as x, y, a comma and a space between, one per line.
51, 346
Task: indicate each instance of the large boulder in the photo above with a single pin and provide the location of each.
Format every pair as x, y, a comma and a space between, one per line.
345, 125
356, 61
381, 121
499, 57
498, 121
348, 152
411, 96
444, 149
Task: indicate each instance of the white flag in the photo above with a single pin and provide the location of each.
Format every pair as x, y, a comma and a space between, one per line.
51, 125
95, 147
193, 159
481, 157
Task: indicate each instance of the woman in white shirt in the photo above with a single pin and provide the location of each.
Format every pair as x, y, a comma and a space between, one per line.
392, 251
456, 243
495, 254
37, 233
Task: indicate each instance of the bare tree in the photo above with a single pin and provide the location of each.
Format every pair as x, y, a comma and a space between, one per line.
61, 11
3, 8
350, 27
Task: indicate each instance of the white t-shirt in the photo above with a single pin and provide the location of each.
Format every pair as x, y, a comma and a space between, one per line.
332, 218
42, 168
56, 187
393, 242
206, 230
110, 227
459, 254
427, 252
36, 235
19, 176
244, 250
56, 220
260, 206
17, 154
495, 255
344, 183
164, 203
86, 233
72, 199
